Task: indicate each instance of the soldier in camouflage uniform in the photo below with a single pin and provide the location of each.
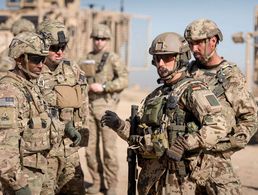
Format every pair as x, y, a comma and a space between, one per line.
25, 124
64, 86
179, 123
20, 25
226, 81
107, 77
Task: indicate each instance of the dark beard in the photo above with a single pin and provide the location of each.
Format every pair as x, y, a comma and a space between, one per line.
163, 72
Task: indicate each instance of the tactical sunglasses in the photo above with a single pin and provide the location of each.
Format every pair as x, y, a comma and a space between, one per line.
165, 57
102, 39
57, 48
36, 59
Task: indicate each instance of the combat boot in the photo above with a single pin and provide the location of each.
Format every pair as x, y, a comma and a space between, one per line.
111, 191
94, 189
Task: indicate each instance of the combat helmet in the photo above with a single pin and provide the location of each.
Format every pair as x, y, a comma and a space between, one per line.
54, 31
171, 43
202, 29
28, 43
101, 31
22, 25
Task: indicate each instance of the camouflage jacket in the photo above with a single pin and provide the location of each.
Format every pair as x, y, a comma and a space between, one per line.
114, 73
25, 130
229, 85
69, 82
195, 103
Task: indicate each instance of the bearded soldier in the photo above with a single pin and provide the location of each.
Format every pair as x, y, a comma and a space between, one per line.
179, 122
25, 123
225, 80
64, 87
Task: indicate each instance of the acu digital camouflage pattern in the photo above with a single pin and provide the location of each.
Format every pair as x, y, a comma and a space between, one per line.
160, 175
25, 136
115, 77
67, 73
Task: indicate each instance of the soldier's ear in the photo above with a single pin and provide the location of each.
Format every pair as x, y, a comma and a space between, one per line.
214, 40
20, 59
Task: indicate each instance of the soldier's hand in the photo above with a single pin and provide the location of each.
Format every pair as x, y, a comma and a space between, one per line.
135, 139
23, 191
112, 120
177, 150
72, 134
76, 139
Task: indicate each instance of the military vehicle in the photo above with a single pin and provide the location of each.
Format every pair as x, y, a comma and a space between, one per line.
79, 22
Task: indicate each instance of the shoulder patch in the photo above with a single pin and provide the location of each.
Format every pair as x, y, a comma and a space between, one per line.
205, 102
7, 113
7, 101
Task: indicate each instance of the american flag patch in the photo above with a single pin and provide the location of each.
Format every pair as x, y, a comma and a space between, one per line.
7, 101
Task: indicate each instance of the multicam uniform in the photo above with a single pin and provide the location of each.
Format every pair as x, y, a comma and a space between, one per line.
65, 90
186, 108
25, 136
113, 75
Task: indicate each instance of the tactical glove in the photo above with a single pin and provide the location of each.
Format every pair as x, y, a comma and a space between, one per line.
177, 150
135, 140
72, 134
112, 120
23, 191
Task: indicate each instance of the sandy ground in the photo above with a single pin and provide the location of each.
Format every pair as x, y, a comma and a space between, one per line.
245, 162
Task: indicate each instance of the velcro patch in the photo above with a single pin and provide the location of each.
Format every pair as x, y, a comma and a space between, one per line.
7, 102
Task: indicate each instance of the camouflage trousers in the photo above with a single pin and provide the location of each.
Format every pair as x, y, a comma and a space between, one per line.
104, 169
71, 179
214, 176
36, 182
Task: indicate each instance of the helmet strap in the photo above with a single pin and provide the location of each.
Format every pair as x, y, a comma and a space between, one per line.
26, 70
175, 71
207, 56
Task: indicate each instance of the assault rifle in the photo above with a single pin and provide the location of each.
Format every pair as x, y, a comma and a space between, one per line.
131, 155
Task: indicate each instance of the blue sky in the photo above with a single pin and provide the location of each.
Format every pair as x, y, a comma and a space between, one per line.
171, 15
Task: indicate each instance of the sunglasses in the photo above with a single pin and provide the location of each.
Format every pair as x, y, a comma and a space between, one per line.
57, 48
102, 39
36, 59
165, 57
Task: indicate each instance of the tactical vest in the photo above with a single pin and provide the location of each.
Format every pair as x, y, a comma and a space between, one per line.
164, 119
67, 93
34, 124
219, 80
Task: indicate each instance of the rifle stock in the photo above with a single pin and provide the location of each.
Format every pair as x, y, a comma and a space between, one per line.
131, 155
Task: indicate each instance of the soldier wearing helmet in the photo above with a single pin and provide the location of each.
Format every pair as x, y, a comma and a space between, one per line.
174, 122
228, 84
25, 123
19, 26
107, 77
64, 86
